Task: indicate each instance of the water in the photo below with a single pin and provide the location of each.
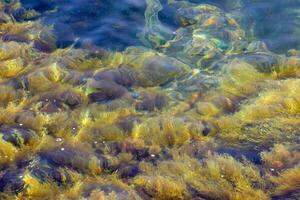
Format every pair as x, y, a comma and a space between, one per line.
109, 24
150, 99
114, 25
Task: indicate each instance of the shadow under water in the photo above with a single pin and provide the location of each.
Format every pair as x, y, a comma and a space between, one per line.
154, 99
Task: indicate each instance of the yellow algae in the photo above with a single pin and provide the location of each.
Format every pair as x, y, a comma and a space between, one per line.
7, 116
7, 151
167, 131
55, 72
106, 133
232, 22
11, 68
110, 117
197, 148
228, 123
30, 31
178, 108
109, 188
162, 188
57, 129
11, 50
240, 79
287, 182
261, 132
20, 29
275, 101
206, 7
37, 190
217, 178
7, 94
289, 69
39, 82
100, 123
9, 113
94, 166
280, 157
132, 56
76, 59
46, 141
207, 109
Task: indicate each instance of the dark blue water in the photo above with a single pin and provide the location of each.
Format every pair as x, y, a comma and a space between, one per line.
276, 22
115, 24
106, 23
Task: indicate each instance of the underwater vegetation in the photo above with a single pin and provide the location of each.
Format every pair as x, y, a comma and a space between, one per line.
204, 112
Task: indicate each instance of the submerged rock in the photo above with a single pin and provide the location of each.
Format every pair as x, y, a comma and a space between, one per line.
49, 173
121, 76
264, 62
71, 158
205, 35
108, 190
104, 90
17, 135
11, 181
238, 154
158, 71
129, 171
151, 102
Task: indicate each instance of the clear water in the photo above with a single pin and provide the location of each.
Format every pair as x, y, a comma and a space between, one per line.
114, 25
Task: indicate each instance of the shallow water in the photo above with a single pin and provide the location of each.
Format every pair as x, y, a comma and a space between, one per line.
114, 25
154, 99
